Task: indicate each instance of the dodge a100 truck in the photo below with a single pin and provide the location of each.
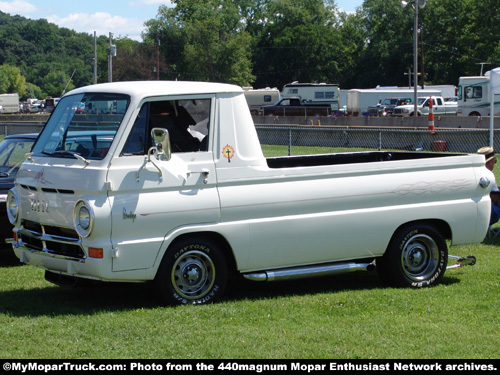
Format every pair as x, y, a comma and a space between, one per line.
166, 182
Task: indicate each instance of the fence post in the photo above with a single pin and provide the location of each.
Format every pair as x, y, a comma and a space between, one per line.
380, 140
289, 142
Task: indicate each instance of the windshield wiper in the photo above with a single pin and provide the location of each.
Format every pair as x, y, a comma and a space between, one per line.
74, 154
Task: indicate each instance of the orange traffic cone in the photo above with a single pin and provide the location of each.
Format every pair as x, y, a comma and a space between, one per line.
431, 117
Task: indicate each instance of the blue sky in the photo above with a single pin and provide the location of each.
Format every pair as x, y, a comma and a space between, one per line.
120, 17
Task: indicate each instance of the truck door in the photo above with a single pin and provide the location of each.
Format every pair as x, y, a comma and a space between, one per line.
151, 197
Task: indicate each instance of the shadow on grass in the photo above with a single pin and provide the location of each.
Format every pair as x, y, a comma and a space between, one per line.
8, 258
360, 280
52, 300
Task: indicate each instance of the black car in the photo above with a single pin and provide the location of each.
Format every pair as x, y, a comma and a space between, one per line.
386, 107
12, 153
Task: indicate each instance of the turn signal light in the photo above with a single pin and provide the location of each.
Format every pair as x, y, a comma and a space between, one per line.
95, 252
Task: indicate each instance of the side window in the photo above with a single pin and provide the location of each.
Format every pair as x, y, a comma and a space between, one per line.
473, 92
478, 92
187, 122
137, 141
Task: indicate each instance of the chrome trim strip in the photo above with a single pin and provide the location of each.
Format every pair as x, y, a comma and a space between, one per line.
50, 238
45, 252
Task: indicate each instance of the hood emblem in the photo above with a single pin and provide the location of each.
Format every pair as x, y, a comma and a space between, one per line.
38, 205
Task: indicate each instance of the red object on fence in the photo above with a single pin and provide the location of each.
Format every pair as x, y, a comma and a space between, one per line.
431, 117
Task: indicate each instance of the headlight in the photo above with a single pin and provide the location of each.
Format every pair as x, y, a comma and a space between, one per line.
12, 207
83, 218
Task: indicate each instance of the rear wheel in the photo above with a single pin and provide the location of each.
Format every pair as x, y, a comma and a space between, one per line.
416, 257
193, 271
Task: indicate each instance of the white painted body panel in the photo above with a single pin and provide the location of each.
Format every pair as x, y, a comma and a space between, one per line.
270, 218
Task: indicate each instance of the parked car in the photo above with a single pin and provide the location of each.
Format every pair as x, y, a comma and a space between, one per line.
35, 108
386, 107
12, 151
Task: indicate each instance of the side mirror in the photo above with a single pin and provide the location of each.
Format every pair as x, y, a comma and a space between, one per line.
161, 149
161, 143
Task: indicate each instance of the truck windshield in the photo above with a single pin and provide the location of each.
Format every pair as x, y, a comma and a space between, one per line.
82, 126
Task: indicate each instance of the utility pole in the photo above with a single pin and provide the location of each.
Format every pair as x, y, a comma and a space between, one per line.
157, 57
95, 58
422, 56
111, 53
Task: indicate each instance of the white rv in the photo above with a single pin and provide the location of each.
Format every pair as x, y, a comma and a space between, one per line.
474, 96
9, 103
257, 98
311, 94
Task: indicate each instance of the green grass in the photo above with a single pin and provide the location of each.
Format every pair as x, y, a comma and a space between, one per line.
346, 316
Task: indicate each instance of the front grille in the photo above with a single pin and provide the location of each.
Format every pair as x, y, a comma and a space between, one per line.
51, 239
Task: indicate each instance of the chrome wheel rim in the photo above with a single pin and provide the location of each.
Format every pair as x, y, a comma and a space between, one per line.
420, 257
193, 275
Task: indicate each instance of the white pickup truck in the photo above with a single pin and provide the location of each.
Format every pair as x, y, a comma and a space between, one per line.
168, 183
439, 107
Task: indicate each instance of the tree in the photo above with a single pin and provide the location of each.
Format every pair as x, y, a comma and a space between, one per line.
353, 44
11, 80
300, 41
204, 40
459, 35
136, 61
388, 53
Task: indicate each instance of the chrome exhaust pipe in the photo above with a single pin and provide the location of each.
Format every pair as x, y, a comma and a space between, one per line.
308, 271
460, 261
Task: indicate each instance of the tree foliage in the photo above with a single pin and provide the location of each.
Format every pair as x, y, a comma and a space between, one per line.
204, 40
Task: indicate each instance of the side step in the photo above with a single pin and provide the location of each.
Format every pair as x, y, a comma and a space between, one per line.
308, 271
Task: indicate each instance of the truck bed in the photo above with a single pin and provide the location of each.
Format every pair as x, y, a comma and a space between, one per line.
348, 158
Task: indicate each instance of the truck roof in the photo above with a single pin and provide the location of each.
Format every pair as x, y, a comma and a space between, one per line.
156, 88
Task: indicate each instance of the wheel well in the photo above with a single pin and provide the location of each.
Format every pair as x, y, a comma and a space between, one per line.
474, 114
218, 239
440, 225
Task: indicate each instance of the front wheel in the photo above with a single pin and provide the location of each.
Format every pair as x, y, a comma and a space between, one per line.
416, 257
193, 271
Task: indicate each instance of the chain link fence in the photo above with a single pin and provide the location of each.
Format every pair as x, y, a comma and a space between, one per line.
317, 140
302, 140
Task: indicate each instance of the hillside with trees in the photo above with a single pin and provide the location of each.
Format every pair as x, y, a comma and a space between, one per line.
260, 43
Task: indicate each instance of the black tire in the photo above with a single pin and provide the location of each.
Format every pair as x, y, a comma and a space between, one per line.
193, 271
416, 257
